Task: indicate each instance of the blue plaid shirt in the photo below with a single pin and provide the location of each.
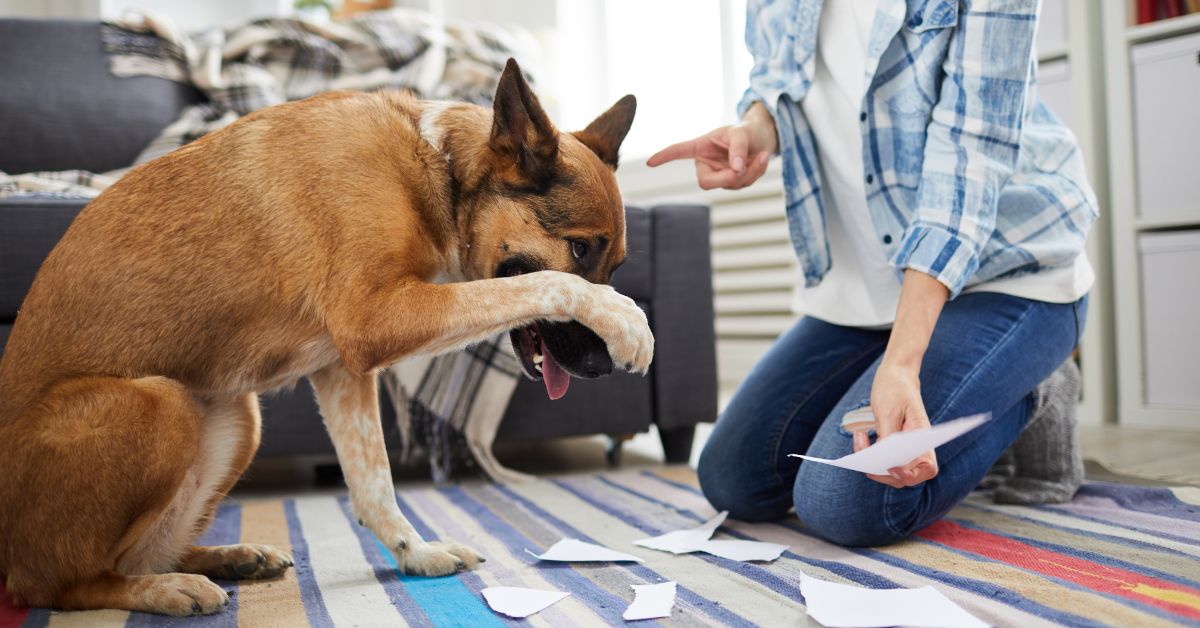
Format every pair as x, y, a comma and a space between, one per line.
969, 176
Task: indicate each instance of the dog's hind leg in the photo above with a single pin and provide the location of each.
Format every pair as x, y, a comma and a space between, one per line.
350, 405
95, 467
178, 594
230, 437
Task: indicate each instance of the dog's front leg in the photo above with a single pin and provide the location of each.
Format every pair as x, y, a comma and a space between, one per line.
381, 327
350, 406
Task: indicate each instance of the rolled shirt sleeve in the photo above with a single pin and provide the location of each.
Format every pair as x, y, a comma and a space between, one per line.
973, 139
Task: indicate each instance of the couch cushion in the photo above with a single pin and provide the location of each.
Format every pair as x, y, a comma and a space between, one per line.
29, 228
61, 108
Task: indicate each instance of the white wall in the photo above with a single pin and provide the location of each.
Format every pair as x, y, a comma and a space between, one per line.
83, 9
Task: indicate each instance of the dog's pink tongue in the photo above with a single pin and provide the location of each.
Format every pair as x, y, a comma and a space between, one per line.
553, 375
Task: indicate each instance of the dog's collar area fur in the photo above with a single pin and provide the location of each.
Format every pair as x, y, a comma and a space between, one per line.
433, 132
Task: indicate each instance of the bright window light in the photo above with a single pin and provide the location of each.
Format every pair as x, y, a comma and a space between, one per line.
685, 60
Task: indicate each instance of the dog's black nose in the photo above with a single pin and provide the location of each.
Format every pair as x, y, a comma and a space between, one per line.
596, 364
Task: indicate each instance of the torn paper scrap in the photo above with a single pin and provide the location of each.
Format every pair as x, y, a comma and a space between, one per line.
519, 602
576, 551
901, 448
697, 540
684, 541
849, 606
743, 550
651, 601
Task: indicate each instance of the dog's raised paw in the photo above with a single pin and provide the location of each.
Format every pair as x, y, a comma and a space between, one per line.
438, 558
624, 328
182, 595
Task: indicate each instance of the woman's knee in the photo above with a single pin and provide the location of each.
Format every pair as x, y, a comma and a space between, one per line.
841, 508
728, 483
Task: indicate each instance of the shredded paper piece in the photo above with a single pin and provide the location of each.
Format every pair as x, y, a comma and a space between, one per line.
698, 539
685, 541
576, 551
849, 606
901, 448
519, 602
744, 550
651, 601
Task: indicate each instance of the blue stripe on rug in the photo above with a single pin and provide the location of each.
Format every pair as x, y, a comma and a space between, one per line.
37, 618
849, 572
470, 579
310, 591
1054, 509
386, 574
226, 529
718, 613
435, 601
563, 576
1146, 499
447, 601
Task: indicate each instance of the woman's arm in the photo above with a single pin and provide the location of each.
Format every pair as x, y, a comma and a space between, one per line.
896, 391
973, 139
971, 148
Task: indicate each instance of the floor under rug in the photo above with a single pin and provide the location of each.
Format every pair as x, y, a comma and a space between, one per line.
1117, 555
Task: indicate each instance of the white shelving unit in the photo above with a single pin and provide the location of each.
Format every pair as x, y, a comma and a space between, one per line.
1129, 220
1071, 82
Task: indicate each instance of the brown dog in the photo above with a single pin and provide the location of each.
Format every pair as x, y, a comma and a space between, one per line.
324, 239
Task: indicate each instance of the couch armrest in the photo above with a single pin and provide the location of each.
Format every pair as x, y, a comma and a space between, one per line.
29, 229
685, 356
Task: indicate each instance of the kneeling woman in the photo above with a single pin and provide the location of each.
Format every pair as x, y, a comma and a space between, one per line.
939, 212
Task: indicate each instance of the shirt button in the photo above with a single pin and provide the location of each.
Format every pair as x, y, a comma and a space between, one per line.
887, 239
915, 22
870, 179
862, 117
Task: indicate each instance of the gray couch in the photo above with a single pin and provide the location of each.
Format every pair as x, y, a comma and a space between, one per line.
60, 108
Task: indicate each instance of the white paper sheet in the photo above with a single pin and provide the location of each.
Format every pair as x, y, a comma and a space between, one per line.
685, 541
651, 601
519, 602
849, 606
737, 549
698, 540
901, 448
576, 551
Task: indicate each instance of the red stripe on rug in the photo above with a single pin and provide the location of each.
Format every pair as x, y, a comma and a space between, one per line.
10, 615
1168, 596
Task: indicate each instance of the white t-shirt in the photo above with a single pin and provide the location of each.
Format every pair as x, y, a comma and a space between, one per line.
862, 289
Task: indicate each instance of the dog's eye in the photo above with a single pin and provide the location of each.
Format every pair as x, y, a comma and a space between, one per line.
579, 248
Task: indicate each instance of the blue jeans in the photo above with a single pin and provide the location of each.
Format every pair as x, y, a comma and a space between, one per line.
988, 353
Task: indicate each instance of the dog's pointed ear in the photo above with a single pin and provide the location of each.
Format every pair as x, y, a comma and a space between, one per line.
605, 134
521, 131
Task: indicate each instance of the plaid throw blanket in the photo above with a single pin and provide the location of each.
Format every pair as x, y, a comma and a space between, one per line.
449, 406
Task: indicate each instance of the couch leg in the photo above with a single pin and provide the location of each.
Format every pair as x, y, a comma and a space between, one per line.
677, 443
615, 449
329, 475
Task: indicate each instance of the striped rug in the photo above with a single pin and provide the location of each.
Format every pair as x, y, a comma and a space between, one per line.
1116, 555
